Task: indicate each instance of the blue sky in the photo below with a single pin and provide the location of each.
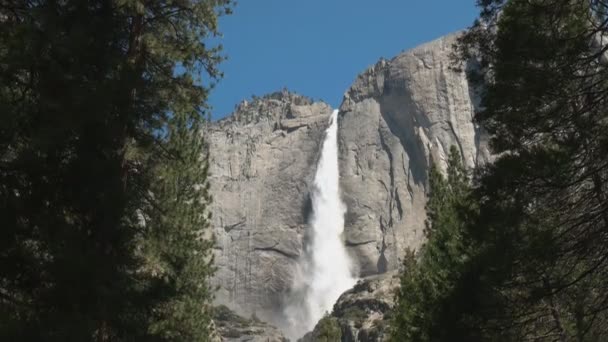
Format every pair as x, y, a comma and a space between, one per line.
318, 47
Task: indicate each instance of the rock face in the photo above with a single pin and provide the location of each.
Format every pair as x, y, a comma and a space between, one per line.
230, 327
263, 159
363, 313
397, 118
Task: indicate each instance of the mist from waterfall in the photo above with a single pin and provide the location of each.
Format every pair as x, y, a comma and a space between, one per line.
324, 272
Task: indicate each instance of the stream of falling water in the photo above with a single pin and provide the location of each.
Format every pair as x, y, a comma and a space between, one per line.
325, 271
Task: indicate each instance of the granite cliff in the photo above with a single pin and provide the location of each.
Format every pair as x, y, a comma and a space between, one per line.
263, 159
397, 118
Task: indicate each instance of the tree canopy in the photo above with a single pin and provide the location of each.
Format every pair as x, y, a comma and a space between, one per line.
101, 104
534, 259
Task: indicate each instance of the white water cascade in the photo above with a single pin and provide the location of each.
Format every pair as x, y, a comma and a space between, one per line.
325, 271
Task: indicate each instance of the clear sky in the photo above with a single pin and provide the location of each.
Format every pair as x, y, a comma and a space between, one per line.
318, 47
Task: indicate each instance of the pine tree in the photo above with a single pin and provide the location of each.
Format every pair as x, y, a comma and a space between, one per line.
543, 83
429, 279
87, 91
178, 243
327, 330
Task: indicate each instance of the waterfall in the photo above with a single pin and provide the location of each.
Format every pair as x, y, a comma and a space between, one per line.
324, 272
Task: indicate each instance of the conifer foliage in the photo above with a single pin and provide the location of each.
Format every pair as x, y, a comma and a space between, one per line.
525, 258
431, 275
103, 187
542, 203
177, 243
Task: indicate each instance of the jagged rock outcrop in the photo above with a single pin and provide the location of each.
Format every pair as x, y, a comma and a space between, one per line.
397, 118
230, 327
263, 159
362, 314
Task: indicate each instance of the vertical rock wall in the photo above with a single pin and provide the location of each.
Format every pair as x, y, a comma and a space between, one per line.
397, 117
262, 162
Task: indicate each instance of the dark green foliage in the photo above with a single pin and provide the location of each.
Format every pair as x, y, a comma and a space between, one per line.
430, 280
328, 330
527, 260
177, 242
522, 256
95, 122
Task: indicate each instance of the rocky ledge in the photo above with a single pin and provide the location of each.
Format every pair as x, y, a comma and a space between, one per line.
234, 328
362, 314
